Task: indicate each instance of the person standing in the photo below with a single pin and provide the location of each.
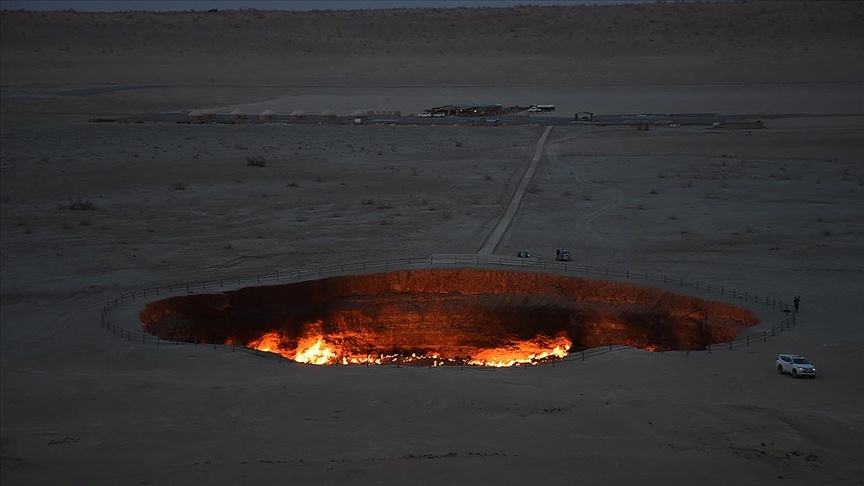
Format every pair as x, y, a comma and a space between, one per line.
796, 301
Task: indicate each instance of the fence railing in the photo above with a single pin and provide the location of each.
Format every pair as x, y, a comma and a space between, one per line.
300, 274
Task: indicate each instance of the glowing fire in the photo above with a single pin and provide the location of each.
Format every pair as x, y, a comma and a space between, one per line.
316, 349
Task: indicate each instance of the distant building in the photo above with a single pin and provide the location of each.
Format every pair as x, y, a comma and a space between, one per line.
584, 116
466, 110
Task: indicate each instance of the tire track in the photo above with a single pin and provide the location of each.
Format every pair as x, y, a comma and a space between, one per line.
585, 224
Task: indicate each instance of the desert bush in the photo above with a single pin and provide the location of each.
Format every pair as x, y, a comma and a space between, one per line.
256, 161
178, 186
81, 203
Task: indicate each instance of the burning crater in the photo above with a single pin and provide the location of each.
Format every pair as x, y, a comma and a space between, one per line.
445, 317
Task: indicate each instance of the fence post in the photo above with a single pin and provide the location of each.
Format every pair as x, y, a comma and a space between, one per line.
730, 346
748, 341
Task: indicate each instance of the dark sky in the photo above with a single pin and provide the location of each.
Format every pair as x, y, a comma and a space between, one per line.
165, 5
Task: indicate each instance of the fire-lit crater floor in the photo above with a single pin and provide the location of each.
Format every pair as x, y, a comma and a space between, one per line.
440, 317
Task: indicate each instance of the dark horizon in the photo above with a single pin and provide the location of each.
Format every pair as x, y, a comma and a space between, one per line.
288, 5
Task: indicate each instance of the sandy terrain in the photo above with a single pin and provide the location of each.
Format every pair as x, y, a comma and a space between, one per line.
777, 211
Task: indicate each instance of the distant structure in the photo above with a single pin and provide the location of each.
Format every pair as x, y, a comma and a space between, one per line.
268, 115
541, 108
466, 110
584, 116
238, 114
297, 115
328, 115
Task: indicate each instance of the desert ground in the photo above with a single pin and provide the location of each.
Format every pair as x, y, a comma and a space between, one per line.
94, 210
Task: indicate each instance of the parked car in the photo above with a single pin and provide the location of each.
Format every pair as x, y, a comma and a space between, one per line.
562, 255
425, 114
523, 254
439, 115
795, 365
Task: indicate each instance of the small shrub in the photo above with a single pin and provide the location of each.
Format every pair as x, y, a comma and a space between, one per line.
291, 184
178, 186
256, 161
368, 202
81, 203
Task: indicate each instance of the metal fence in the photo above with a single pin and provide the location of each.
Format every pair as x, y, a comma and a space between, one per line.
448, 261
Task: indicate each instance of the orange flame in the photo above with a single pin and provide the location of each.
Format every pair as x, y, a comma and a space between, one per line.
315, 349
